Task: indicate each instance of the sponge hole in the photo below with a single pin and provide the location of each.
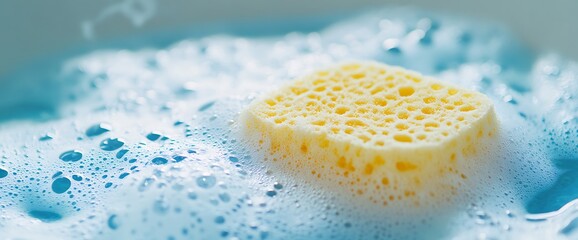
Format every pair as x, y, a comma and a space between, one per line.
403, 138
341, 110
467, 108
406, 91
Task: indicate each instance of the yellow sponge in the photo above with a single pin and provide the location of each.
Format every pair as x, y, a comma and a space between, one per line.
375, 130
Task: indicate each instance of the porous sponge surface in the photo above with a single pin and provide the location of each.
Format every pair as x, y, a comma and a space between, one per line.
377, 130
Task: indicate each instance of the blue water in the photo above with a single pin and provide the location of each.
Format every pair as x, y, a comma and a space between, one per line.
111, 144
136, 138
45, 216
97, 129
61, 185
71, 156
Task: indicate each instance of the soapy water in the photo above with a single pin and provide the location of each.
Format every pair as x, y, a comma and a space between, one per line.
142, 143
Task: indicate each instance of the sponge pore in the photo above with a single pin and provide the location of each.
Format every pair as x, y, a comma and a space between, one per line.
373, 129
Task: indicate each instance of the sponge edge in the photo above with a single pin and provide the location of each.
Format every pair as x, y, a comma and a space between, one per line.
374, 130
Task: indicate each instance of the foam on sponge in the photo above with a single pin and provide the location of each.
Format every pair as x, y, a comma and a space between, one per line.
375, 130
